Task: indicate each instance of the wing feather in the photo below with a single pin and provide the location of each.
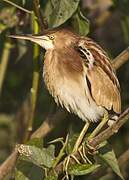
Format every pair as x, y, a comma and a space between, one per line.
103, 81
104, 92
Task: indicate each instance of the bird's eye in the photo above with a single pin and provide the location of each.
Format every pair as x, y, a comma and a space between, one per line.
51, 37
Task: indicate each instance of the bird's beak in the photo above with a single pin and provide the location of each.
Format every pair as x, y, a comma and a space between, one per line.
34, 38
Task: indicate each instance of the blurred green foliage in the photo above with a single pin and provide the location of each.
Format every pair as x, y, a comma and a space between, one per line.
109, 25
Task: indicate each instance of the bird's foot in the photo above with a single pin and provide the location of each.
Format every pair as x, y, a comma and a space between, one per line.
91, 150
83, 155
66, 164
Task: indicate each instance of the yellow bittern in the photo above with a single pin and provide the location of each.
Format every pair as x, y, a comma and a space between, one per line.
78, 74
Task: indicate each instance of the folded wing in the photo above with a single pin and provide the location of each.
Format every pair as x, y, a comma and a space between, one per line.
103, 81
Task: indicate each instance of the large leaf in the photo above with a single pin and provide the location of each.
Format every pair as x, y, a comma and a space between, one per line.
57, 12
80, 23
82, 169
40, 157
106, 153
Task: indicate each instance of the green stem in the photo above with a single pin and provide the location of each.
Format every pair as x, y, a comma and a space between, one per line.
35, 82
61, 153
4, 62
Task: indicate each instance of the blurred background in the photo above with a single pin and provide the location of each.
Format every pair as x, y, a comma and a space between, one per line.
107, 22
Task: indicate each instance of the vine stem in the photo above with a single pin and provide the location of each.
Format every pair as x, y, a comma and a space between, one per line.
61, 153
35, 81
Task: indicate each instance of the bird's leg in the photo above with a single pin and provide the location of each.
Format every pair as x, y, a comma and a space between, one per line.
81, 136
75, 148
99, 127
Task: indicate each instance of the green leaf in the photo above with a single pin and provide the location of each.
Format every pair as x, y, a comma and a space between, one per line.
28, 171
107, 154
40, 157
80, 23
82, 169
38, 142
20, 176
58, 12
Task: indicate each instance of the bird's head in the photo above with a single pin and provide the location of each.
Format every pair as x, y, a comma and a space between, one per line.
51, 39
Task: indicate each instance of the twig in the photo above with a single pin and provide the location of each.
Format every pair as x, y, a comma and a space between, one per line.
17, 6
38, 13
121, 59
4, 62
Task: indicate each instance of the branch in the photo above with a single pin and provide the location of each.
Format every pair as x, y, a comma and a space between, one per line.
104, 135
8, 165
38, 13
121, 59
49, 124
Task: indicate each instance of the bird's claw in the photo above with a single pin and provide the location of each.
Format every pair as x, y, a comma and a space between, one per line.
91, 149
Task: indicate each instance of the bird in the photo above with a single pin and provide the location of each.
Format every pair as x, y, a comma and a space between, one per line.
78, 74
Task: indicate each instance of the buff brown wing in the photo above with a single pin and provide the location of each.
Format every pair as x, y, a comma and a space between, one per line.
104, 84
103, 90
